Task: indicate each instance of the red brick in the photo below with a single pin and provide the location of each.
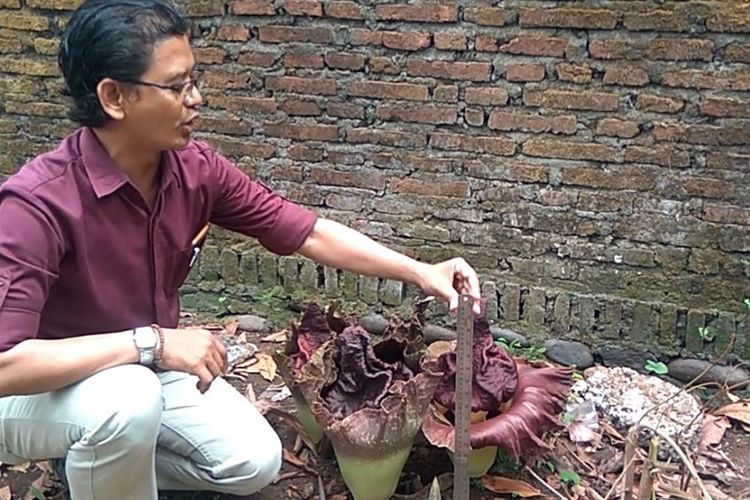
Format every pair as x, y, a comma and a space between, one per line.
358, 179
656, 155
707, 188
700, 79
450, 41
617, 128
602, 201
286, 172
303, 8
728, 161
554, 198
257, 59
614, 48
345, 110
234, 33
680, 49
302, 132
548, 148
529, 72
343, 10
486, 16
737, 52
446, 93
726, 214
296, 85
23, 20
285, 34
657, 20
253, 8
486, 43
222, 80
471, 71
658, 104
388, 137
384, 65
473, 143
209, 55
536, 46
358, 36
474, 116
437, 115
574, 72
730, 20
231, 126
725, 107
242, 103
561, 99
242, 147
734, 134
431, 187
305, 153
631, 76
408, 40
298, 107
488, 96
342, 60
568, 18
304, 60
555, 124
389, 90
200, 8
616, 177
417, 13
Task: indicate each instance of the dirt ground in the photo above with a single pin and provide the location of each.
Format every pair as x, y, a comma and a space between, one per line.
572, 471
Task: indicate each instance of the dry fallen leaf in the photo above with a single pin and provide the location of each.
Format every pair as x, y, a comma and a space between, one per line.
280, 336
265, 366
22, 468
250, 393
499, 484
5, 493
231, 327
713, 431
293, 460
739, 411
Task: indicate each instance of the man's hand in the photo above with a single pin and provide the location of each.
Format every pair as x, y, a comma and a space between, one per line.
449, 279
194, 351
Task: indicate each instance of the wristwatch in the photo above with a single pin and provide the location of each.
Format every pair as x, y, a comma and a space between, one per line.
145, 339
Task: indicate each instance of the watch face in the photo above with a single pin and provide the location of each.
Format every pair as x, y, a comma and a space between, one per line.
145, 338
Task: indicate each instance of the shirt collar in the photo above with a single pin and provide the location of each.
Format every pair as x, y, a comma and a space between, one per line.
106, 177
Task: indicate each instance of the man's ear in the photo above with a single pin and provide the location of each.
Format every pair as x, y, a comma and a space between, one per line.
111, 98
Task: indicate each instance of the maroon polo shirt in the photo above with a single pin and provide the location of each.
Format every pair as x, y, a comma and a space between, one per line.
81, 253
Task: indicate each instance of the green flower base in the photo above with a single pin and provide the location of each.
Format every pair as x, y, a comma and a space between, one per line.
480, 460
372, 478
306, 418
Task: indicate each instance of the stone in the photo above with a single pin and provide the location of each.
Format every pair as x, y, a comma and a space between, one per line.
434, 333
625, 397
686, 370
252, 323
567, 352
509, 335
374, 323
236, 352
617, 356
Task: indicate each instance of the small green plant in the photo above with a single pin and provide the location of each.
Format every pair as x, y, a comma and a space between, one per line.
576, 376
567, 418
544, 464
534, 353
511, 347
747, 303
505, 463
36, 494
475, 483
570, 477
706, 333
656, 367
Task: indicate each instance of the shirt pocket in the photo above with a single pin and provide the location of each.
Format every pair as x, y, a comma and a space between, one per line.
182, 263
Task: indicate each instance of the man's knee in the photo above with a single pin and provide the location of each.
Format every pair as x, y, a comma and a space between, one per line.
250, 470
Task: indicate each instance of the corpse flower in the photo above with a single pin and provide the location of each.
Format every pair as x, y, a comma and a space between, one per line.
370, 395
512, 402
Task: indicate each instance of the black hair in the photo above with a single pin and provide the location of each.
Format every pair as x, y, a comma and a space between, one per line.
112, 39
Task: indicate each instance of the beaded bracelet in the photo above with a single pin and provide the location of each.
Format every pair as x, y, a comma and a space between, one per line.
160, 349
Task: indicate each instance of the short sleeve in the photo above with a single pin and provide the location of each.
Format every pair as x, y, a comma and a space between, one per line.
30, 253
251, 208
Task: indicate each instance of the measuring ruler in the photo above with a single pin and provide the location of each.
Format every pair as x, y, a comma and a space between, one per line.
462, 412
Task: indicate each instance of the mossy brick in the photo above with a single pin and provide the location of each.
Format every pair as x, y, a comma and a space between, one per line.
46, 46
743, 337
268, 269
10, 4
693, 339
368, 289
230, 267
54, 4
534, 309
561, 314
612, 319
489, 292
668, 326
586, 312
350, 285
7, 126
289, 269
208, 262
331, 281
642, 326
20, 20
510, 301
391, 292
29, 66
308, 275
723, 328
249, 267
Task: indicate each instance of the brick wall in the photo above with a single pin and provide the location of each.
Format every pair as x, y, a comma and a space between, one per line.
589, 158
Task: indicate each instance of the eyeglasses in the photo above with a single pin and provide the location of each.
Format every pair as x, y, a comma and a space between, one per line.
180, 90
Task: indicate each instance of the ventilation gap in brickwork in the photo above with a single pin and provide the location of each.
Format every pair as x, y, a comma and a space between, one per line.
681, 326
522, 303
321, 277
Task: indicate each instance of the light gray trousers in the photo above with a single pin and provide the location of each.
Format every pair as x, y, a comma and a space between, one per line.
127, 431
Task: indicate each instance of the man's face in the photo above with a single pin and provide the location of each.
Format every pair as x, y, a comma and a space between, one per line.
164, 118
